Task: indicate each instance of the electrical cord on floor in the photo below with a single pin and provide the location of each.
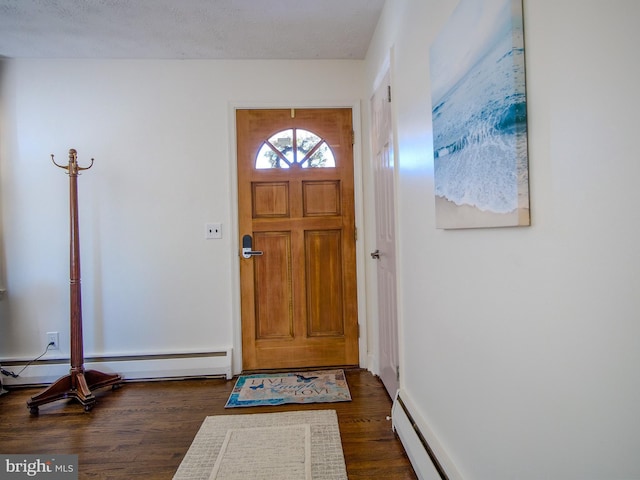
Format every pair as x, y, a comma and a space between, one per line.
16, 375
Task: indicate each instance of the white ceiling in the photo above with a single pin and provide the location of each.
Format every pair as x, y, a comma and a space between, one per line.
185, 29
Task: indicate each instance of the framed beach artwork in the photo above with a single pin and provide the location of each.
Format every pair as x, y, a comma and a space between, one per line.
481, 165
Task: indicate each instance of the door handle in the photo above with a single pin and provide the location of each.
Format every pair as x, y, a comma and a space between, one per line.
375, 255
247, 247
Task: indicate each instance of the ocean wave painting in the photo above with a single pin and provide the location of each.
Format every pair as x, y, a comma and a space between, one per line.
480, 117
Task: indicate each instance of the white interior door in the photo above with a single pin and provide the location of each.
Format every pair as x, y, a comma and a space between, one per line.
385, 253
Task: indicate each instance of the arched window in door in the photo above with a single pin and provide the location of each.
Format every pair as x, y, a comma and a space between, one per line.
293, 148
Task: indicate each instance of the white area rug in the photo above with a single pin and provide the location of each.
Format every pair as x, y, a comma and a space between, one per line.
280, 446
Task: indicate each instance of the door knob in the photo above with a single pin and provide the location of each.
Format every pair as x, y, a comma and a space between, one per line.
376, 254
247, 247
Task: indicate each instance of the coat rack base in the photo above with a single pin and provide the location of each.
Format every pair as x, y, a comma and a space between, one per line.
78, 385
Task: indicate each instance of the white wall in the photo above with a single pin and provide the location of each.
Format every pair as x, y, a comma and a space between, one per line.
520, 346
161, 133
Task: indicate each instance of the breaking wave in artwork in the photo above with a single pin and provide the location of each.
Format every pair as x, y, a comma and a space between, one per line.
480, 127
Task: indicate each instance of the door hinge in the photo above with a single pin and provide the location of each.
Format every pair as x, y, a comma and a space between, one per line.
355, 233
397, 372
389, 93
353, 137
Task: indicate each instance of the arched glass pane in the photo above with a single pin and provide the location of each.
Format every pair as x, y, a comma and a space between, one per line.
321, 158
311, 151
306, 141
281, 142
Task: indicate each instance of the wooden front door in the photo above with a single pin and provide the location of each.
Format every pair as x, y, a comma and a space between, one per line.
296, 206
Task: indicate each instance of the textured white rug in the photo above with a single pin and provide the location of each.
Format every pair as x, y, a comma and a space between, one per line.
284, 446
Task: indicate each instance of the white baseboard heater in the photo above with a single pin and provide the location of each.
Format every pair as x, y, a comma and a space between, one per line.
427, 457
131, 367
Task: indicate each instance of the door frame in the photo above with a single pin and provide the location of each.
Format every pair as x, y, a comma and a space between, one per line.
354, 105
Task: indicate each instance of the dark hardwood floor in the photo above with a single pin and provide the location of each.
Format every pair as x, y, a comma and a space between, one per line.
143, 430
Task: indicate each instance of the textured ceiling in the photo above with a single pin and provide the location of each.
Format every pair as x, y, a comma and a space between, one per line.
199, 29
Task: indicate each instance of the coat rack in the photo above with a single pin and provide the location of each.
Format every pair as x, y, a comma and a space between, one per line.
78, 384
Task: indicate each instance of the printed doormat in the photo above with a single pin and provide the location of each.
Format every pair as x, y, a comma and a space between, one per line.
278, 388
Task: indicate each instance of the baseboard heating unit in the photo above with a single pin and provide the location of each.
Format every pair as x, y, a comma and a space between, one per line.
131, 367
427, 457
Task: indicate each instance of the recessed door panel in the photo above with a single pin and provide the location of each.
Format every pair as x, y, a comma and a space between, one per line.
325, 297
273, 293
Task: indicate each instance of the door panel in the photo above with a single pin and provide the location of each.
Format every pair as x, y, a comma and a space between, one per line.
274, 315
296, 198
321, 198
324, 283
270, 199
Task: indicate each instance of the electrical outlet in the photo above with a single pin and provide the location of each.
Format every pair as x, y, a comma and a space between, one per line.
53, 337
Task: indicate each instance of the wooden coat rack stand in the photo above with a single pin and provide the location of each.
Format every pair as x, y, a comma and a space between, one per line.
78, 384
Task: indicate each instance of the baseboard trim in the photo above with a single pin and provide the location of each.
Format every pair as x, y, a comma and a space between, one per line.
131, 367
428, 458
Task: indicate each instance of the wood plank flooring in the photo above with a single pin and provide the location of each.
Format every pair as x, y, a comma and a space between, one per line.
143, 430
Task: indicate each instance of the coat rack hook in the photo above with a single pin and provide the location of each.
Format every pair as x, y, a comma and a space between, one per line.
57, 165
73, 167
